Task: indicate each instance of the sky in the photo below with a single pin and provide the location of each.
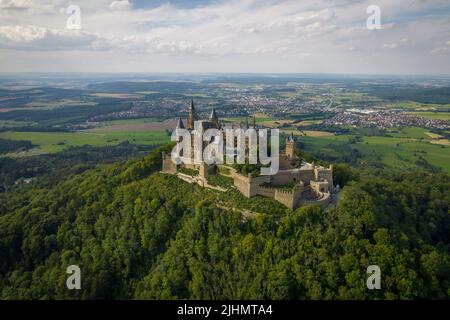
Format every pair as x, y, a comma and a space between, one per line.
226, 36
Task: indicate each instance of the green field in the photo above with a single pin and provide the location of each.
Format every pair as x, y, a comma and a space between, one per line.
129, 121
402, 150
50, 142
417, 106
15, 124
433, 115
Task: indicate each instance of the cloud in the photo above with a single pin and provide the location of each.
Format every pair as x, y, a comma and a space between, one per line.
394, 45
443, 49
15, 4
38, 38
120, 5
329, 35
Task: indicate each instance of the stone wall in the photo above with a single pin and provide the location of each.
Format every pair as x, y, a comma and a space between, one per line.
290, 198
281, 178
305, 175
322, 202
266, 191
320, 186
324, 174
167, 164
247, 185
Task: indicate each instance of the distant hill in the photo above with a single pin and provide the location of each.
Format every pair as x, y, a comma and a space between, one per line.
158, 86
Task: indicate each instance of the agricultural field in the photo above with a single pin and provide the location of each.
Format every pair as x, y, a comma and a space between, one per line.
433, 115
143, 124
51, 142
411, 106
405, 149
15, 124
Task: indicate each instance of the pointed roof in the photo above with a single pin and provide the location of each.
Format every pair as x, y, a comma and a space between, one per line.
213, 115
192, 105
291, 137
180, 124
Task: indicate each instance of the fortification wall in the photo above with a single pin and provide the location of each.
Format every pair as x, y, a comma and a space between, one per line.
290, 198
285, 162
167, 165
325, 174
305, 175
320, 186
248, 186
281, 178
266, 191
323, 202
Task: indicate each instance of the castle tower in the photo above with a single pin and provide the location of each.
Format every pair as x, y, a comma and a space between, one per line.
214, 119
290, 147
192, 117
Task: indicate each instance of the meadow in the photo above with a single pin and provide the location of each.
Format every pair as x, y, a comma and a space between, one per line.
404, 149
51, 142
433, 115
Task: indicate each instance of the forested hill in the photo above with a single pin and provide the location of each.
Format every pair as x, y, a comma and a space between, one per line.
137, 233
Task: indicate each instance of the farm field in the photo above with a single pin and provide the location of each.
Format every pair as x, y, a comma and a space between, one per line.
144, 124
401, 151
433, 115
412, 106
51, 142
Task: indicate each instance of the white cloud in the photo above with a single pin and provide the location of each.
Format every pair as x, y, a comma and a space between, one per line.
38, 38
401, 43
324, 33
120, 5
443, 49
15, 4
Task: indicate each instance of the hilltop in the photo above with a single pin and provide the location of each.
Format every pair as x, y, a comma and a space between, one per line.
138, 233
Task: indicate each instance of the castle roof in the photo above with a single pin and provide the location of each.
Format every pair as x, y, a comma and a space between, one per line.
291, 137
213, 115
180, 124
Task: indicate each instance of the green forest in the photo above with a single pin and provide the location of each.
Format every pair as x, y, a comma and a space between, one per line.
140, 234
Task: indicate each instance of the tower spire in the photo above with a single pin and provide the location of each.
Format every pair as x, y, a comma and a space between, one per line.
191, 117
180, 124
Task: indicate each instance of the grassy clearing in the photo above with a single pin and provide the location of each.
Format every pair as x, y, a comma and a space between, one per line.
410, 133
136, 125
50, 142
399, 151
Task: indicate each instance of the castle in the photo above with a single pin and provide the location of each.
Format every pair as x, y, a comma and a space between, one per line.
297, 183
